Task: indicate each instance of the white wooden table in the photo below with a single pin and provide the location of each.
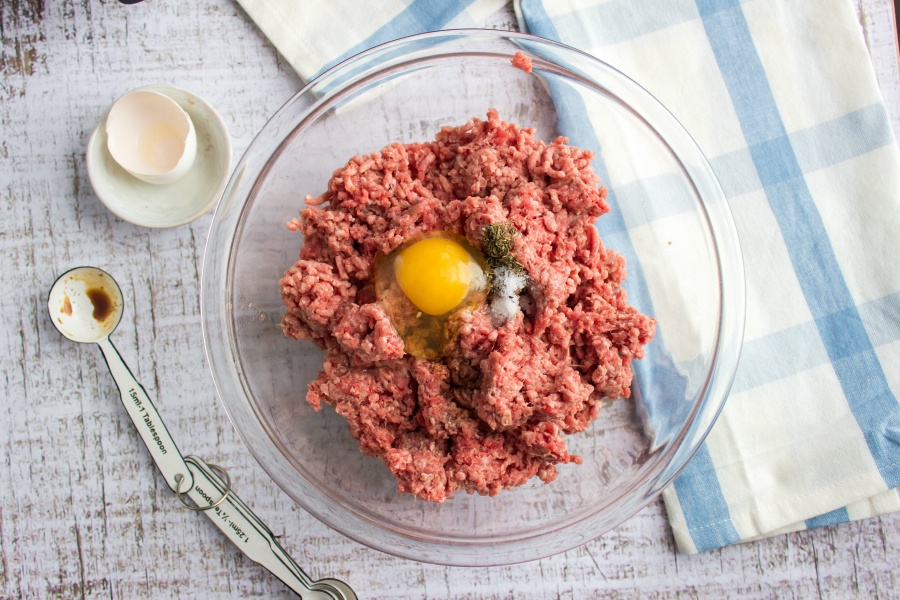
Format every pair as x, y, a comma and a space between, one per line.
83, 512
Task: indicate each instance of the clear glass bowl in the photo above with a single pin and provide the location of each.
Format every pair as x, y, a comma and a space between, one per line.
670, 219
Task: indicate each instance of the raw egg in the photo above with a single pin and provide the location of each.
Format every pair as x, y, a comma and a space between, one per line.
425, 281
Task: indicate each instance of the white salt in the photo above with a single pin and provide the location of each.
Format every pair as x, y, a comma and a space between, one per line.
505, 295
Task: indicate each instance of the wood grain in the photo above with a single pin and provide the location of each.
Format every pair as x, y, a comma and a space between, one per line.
83, 513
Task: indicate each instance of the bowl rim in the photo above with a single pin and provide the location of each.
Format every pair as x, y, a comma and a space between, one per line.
219, 343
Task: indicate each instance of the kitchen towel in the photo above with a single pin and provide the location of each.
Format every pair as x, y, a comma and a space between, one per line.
782, 98
315, 35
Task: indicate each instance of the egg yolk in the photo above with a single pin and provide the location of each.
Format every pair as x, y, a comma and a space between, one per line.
424, 283
435, 274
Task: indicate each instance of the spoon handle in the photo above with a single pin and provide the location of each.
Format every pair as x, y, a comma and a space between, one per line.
146, 419
253, 538
202, 485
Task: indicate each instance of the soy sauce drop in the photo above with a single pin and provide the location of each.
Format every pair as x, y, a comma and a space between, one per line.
102, 303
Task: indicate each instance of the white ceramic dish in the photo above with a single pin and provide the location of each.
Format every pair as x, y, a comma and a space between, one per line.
176, 203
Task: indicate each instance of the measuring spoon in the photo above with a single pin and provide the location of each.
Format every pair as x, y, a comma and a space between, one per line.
86, 305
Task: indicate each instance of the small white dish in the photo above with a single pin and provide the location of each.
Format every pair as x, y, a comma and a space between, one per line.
151, 136
172, 204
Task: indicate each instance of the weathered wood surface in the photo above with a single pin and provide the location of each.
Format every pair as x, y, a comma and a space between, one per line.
82, 511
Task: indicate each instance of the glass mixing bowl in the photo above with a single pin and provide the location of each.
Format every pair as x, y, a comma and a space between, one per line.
670, 219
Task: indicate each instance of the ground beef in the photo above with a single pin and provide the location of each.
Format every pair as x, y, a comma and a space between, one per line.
493, 411
520, 61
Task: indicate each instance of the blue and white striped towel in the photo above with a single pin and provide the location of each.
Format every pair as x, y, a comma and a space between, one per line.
782, 98
316, 35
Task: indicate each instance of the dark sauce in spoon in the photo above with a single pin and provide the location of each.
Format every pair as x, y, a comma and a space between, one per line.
102, 302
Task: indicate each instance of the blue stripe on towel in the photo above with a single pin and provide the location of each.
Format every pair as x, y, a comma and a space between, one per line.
834, 517
703, 504
616, 21
419, 16
823, 145
760, 366
843, 138
829, 299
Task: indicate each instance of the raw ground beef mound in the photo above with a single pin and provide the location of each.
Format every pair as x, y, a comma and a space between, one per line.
493, 412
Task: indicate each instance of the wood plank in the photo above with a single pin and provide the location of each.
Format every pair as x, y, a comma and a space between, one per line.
82, 512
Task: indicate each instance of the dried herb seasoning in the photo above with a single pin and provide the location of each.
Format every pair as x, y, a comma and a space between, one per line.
497, 243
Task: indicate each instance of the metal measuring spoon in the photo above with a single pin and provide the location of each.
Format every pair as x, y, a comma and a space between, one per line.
86, 305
